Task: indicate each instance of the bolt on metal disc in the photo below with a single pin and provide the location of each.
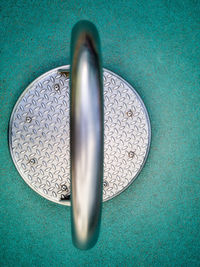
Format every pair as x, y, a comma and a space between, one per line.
39, 137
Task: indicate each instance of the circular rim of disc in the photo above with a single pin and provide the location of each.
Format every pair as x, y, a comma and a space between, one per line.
67, 67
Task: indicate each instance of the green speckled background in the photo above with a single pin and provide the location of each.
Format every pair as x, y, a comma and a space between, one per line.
154, 45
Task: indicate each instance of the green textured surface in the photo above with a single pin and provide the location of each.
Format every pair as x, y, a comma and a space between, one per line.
154, 45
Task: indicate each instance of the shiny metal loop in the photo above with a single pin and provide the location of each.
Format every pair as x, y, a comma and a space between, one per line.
86, 134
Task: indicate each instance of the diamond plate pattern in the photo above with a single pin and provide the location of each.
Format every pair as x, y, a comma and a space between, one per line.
39, 135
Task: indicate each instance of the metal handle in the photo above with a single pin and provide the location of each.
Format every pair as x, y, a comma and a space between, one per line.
86, 134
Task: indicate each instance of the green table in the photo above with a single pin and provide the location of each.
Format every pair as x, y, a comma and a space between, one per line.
154, 46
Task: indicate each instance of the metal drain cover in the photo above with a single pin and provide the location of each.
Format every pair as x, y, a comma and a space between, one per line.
39, 136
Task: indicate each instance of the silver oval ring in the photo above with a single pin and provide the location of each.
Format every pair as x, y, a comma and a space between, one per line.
86, 134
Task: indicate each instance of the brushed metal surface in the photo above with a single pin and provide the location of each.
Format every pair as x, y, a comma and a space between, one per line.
86, 134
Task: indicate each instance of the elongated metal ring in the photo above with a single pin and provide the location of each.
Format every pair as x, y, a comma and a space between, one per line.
86, 134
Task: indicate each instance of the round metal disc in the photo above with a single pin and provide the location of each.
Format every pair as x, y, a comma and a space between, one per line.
39, 136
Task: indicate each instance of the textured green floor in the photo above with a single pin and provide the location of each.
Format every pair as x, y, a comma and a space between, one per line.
154, 45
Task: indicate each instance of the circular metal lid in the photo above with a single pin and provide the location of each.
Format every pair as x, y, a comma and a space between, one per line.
39, 136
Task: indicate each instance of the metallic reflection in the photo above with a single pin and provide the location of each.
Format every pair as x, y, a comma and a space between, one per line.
86, 134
